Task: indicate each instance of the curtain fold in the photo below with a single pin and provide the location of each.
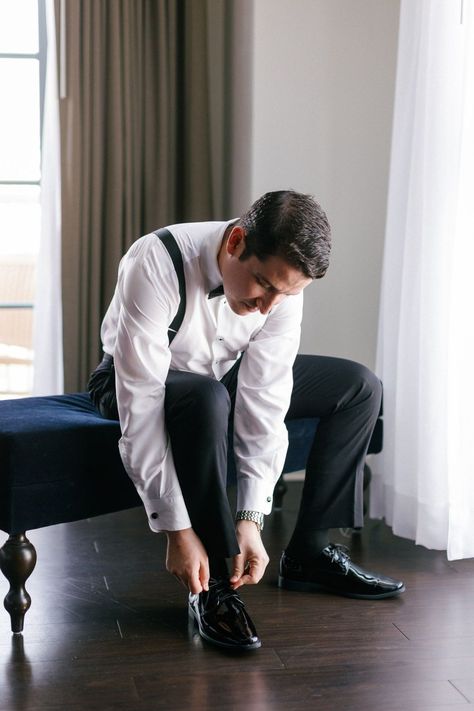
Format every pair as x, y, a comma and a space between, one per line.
47, 321
143, 143
423, 483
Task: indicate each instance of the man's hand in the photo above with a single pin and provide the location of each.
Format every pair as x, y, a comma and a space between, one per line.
249, 565
187, 560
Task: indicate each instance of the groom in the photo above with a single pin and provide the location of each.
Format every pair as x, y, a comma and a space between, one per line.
201, 338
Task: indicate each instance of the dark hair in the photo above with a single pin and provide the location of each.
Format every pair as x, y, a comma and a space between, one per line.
289, 225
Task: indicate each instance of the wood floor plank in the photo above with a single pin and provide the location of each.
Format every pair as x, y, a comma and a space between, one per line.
464, 683
268, 690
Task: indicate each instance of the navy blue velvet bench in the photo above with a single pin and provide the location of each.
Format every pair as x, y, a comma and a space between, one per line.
59, 462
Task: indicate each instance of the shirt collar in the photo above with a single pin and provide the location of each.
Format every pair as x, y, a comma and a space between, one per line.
208, 257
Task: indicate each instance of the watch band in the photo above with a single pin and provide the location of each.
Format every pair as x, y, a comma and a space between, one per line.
255, 516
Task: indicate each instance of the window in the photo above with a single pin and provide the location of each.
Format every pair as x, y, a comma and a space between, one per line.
22, 68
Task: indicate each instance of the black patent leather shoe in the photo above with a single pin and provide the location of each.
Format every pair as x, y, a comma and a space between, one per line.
221, 617
332, 570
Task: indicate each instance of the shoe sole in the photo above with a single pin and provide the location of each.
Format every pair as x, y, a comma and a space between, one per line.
247, 648
317, 587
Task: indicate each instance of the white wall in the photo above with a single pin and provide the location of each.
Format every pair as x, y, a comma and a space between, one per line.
323, 83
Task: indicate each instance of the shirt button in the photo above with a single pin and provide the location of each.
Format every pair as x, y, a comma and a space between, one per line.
154, 515
269, 498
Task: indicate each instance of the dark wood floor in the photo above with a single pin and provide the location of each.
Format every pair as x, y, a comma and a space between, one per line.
108, 629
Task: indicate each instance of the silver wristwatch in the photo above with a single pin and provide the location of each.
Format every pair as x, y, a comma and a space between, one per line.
255, 516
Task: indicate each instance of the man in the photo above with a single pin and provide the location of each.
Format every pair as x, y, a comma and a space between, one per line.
201, 336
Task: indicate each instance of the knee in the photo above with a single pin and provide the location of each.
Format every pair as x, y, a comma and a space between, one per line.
201, 408
367, 385
211, 401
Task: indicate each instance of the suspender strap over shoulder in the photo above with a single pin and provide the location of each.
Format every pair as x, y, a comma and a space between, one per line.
173, 250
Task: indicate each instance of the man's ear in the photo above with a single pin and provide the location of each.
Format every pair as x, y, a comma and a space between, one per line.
236, 241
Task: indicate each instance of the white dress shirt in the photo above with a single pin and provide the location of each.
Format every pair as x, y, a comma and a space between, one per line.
210, 340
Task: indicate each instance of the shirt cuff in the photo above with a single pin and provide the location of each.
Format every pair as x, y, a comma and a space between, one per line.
166, 514
255, 495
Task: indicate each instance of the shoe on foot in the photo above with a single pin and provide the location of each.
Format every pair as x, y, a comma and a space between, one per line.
332, 570
221, 617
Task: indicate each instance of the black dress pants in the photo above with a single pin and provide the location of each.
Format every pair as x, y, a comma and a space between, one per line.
344, 395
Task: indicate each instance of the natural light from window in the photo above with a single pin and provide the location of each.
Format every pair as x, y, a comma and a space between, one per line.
21, 60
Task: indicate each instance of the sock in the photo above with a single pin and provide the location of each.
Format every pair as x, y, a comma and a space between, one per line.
307, 544
218, 568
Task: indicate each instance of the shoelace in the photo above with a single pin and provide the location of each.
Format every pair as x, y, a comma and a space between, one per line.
219, 592
339, 554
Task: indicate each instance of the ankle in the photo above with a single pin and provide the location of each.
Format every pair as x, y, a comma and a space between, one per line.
307, 545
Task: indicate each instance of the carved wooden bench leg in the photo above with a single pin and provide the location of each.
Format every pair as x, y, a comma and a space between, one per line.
17, 562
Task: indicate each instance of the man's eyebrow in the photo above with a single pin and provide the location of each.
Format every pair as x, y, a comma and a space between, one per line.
264, 279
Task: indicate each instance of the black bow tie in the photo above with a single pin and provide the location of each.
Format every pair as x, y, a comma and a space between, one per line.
218, 291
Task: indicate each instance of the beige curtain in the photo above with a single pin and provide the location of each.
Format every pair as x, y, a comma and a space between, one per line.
144, 140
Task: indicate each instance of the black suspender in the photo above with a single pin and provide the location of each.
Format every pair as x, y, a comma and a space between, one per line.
175, 254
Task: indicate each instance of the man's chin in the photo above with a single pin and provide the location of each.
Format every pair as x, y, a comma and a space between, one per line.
241, 308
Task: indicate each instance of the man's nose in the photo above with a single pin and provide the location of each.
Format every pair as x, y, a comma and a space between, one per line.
268, 300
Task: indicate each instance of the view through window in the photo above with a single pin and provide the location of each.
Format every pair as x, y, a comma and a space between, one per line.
22, 64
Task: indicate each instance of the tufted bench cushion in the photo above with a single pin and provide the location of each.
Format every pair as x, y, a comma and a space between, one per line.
59, 462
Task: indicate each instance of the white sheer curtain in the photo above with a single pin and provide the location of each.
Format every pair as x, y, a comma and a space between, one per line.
47, 336
424, 479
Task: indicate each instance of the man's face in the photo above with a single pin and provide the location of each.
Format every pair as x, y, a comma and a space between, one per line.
252, 285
